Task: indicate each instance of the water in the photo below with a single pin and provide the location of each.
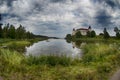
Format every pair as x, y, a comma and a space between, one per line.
54, 47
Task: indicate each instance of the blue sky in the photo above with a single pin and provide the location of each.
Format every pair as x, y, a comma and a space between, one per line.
59, 17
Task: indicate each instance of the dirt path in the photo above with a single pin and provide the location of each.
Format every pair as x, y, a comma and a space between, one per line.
116, 76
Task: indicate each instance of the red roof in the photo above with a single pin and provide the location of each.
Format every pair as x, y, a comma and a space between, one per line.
82, 29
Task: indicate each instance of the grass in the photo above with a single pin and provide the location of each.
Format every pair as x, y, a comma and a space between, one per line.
102, 57
99, 62
18, 45
97, 39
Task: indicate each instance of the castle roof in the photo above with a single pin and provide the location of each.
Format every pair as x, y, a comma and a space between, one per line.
83, 29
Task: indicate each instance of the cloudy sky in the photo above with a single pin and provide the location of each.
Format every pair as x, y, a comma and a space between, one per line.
59, 17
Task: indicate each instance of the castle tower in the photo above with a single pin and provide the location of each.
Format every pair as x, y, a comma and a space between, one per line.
73, 29
89, 28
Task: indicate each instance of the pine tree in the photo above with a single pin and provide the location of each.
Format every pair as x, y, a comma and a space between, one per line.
0, 27
5, 31
0, 31
106, 34
11, 32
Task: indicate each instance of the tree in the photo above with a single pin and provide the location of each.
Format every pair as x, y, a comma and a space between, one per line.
88, 34
68, 36
29, 35
78, 34
116, 29
118, 35
12, 32
0, 31
93, 34
117, 32
20, 32
106, 34
0, 27
9, 31
5, 31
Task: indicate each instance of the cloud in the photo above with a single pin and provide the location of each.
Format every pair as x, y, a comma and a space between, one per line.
59, 17
57, 0
103, 18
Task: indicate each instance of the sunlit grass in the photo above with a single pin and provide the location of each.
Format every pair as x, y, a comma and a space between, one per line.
12, 57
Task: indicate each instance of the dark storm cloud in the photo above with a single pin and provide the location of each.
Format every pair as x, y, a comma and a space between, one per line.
9, 2
111, 3
103, 18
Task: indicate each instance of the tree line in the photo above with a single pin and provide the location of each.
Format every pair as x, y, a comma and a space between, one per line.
9, 31
92, 34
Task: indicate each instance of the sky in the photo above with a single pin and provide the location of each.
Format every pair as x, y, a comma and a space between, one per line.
59, 17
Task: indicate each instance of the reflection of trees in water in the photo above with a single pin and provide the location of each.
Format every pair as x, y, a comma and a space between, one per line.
78, 44
68, 41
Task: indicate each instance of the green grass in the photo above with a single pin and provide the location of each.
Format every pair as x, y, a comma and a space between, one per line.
97, 39
48, 60
18, 45
98, 63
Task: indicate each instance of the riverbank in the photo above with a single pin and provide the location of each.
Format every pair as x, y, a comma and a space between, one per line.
18, 44
98, 63
97, 39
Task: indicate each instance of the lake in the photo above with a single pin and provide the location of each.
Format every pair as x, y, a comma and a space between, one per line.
57, 47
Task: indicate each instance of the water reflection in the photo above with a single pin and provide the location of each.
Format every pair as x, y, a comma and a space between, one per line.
54, 47
78, 44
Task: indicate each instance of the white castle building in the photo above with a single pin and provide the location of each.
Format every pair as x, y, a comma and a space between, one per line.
82, 30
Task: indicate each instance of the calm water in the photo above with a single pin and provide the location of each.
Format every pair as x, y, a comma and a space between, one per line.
54, 47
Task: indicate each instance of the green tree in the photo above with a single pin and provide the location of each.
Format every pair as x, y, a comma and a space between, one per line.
29, 35
88, 34
1, 31
12, 32
0, 26
106, 34
117, 32
5, 31
20, 32
118, 35
68, 37
78, 34
9, 31
116, 29
93, 33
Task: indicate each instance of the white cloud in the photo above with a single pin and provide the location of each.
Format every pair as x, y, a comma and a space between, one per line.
42, 16
4, 8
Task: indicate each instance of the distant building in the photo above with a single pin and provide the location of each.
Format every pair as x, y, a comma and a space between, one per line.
82, 30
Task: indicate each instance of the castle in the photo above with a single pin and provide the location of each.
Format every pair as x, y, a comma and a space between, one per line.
82, 30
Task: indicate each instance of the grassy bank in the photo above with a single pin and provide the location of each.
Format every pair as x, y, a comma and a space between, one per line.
96, 39
98, 63
18, 45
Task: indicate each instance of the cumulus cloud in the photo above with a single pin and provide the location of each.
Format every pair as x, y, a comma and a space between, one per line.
59, 17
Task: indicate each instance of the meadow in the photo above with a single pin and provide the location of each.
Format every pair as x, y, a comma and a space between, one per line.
99, 62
